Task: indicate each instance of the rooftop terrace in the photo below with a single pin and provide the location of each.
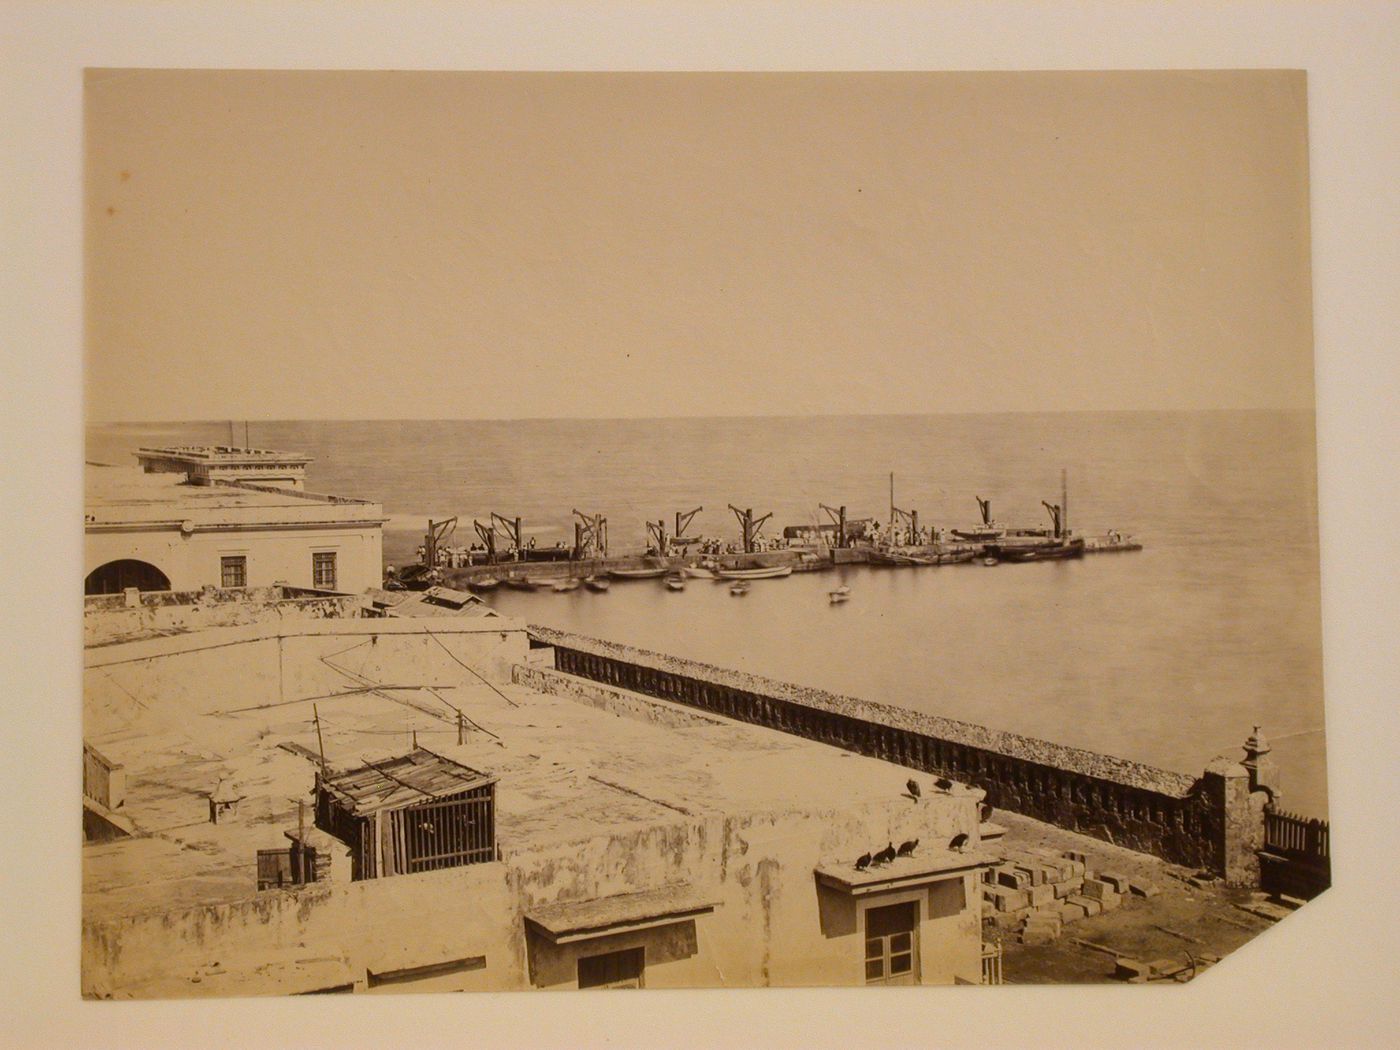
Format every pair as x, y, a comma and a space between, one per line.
126, 496
566, 772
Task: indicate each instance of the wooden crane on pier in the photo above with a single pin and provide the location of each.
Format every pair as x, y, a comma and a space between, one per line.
656, 530
838, 518
590, 536
437, 533
749, 526
488, 539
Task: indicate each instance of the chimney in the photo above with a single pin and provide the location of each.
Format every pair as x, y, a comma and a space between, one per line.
223, 803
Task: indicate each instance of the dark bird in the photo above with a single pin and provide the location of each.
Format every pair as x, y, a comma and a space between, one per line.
863, 862
906, 849
943, 784
912, 786
959, 841
885, 855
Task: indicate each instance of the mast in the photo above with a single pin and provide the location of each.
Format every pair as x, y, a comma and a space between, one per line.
1064, 503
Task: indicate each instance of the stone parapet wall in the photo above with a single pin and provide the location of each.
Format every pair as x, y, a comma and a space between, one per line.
1131, 804
107, 618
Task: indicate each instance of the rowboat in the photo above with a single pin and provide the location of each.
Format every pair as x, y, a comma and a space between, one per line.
637, 574
699, 572
519, 583
841, 594
771, 573
675, 583
571, 584
739, 588
596, 583
483, 583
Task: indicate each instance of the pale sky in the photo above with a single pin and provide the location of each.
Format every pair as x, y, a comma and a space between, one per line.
282, 245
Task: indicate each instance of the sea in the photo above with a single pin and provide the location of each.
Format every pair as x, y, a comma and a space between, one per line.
1170, 655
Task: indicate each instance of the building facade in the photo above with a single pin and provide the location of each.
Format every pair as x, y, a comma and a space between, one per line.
183, 524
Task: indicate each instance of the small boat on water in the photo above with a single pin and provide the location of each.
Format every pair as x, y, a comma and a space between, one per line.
637, 574
675, 583
699, 572
596, 583
483, 583
519, 583
896, 558
841, 594
1038, 551
571, 584
770, 573
739, 588
954, 558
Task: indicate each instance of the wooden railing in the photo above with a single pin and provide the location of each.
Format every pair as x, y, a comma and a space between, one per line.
1295, 836
1297, 855
991, 963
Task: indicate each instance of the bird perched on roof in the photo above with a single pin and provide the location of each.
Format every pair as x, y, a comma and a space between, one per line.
912, 786
863, 862
959, 841
885, 855
906, 849
943, 784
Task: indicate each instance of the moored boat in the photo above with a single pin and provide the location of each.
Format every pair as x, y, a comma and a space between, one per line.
571, 584
637, 574
483, 583
739, 588
1054, 551
699, 572
596, 583
841, 594
675, 583
769, 573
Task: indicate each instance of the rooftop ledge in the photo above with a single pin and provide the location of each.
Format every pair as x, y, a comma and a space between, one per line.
582, 920
902, 872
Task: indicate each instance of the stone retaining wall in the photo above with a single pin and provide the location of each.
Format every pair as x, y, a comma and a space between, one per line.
1171, 815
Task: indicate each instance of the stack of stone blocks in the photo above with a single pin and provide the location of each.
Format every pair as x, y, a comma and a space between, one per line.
1037, 891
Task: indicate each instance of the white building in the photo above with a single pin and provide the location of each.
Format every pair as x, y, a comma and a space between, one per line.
160, 529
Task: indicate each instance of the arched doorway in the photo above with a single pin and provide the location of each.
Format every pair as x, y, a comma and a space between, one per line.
116, 576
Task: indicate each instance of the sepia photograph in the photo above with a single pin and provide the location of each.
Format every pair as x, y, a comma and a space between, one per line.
575, 530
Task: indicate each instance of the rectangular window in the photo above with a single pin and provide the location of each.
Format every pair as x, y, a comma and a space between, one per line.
892, 944
323, 570
613, 970
233, 570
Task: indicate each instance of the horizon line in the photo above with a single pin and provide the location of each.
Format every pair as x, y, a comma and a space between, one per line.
653, 419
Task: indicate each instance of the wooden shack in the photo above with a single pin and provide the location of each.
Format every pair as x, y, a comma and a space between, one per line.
418, 812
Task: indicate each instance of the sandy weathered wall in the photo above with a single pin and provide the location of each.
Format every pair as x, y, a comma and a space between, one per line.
290, 941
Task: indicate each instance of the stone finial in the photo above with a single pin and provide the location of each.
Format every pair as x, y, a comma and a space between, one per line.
1263, 773
1256, 745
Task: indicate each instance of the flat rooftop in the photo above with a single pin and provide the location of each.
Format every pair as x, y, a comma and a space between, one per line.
126, 495
565, 772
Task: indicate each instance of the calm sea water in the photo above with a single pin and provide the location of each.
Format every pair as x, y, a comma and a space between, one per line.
1168, 656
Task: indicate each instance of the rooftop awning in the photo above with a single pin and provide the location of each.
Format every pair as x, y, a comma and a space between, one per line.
928, 865
581, 920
